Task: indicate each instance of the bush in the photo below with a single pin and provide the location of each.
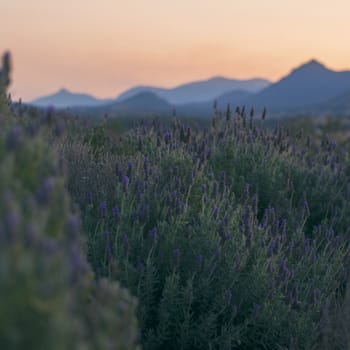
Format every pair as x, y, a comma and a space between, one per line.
230, 237
49, 298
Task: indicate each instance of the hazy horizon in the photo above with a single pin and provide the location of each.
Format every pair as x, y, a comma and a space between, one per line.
105, 47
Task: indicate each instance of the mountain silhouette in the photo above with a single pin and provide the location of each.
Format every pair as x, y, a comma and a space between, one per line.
308, 87
199, 91
309, 84
64, 98
338, 105
143, 103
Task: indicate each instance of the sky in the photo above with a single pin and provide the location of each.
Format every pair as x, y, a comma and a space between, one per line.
103, 47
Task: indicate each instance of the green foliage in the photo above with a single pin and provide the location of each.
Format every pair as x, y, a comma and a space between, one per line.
232, 237
5, 82
49, 298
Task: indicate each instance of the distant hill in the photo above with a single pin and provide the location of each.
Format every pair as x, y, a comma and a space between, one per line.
139, 89
234, 98
310, 88
143, 104
311, 83
199, 91
64, 98
336, 105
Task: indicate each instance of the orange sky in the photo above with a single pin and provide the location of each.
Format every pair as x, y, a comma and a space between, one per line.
103, 47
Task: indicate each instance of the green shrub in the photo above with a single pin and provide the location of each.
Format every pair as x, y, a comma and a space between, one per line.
50, 298
229, 237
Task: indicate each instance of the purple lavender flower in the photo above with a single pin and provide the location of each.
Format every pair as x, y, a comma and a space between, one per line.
130, 169
307, 245
45, 191
249, 238
102, 209
247, 219
50, 112
115, 212
226, 237
283, 271
125, 183
89, 196
167, 137
153, 235
271, 248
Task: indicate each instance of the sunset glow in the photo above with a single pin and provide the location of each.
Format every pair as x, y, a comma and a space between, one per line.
103, 47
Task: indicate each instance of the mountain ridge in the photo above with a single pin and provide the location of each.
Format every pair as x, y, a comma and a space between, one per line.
308, 84
195, 91
66, 98
306, 87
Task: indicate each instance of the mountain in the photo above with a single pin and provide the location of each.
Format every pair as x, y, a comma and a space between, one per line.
339, 105
140, 89
233, 98
64, 98
310, 84
199, 91
142, 104
309, 87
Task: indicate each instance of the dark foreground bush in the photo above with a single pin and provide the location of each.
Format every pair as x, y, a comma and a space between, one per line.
49, 297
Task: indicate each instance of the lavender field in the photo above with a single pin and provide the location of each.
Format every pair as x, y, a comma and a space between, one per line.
231, 233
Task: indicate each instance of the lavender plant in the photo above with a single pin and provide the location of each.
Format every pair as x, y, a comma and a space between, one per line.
50, 298
232, 236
